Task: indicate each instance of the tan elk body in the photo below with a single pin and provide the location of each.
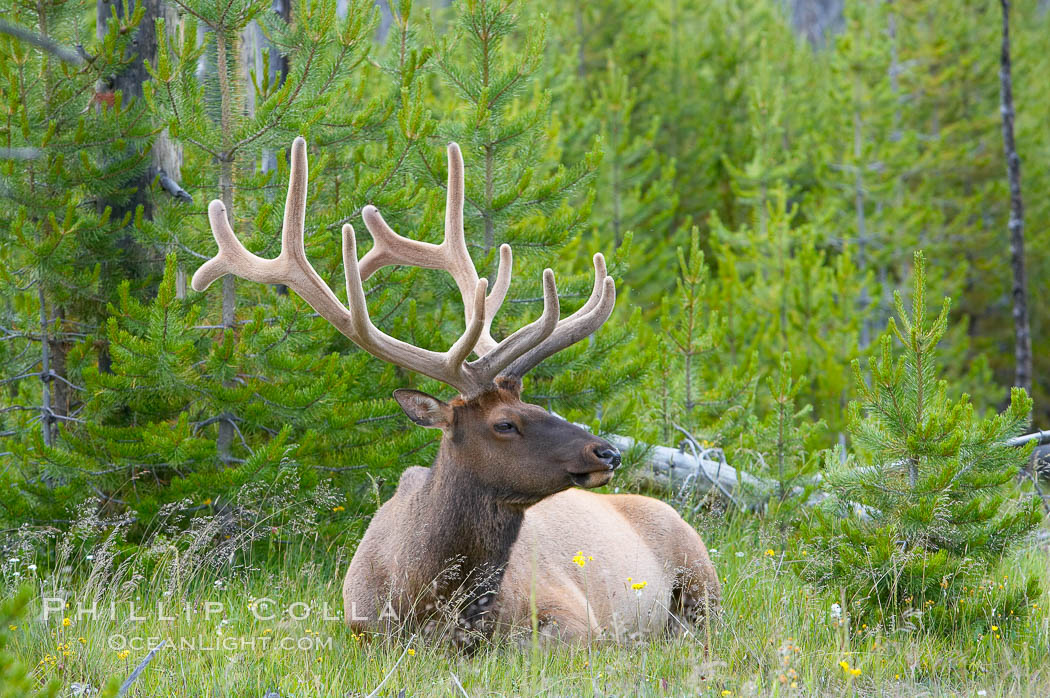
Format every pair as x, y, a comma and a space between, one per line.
494, 533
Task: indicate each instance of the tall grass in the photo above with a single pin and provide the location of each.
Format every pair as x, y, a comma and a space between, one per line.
777, 637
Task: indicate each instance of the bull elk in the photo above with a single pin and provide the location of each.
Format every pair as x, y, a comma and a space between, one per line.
495, 522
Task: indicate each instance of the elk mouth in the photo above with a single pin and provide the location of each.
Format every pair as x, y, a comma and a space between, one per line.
592, 479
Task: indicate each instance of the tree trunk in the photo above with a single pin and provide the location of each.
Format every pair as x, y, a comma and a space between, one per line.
1019, 292
224, 442
46, 419
254, 45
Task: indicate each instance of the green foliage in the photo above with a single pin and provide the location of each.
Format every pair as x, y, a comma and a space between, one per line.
781, 448
62, 252
697, 387
925, 506
757, 199
16, 680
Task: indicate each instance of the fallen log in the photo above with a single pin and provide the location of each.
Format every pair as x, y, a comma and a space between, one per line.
705, 468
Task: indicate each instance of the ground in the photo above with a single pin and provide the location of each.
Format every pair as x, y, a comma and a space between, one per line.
777, 638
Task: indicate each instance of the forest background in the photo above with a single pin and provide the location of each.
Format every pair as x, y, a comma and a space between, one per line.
759, 174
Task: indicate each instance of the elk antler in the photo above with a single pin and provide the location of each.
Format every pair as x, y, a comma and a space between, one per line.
452, 256
515, 355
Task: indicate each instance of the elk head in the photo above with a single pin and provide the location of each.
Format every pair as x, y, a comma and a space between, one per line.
518, 450
507, 445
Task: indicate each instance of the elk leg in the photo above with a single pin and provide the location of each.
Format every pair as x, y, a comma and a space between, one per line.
696, 598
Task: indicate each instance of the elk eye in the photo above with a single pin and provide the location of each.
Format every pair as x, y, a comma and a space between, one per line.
504, 427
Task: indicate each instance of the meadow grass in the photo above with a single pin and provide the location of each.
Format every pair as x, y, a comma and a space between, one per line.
777, 637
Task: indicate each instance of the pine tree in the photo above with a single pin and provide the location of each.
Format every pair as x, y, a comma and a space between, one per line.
705, 394
634, 188
66, 136
781, 448
923, 507
780, 290
273, 375
518, 193
958, 191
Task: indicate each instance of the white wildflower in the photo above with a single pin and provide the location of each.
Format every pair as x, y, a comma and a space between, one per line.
836, 611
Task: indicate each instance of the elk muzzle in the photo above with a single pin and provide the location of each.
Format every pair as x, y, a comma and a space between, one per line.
601, 459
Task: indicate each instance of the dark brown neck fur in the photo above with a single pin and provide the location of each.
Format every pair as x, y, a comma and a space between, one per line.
469, 532
466, 523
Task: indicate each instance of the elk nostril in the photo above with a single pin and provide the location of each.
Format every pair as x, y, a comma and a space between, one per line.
608, 455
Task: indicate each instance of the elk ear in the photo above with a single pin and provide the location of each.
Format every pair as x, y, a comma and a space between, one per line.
512, 384
425, 410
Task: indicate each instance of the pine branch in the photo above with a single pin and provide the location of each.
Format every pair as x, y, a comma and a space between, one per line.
74, 56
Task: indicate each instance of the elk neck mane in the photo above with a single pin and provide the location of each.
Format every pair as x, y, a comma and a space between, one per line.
462, 521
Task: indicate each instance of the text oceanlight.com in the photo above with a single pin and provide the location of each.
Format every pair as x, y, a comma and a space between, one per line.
202, 643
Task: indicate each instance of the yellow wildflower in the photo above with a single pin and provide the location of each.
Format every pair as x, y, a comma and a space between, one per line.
769, 552
66, 622
207, 502
994, 628
638, 586
123, 655
12, 628
411, 652
581, 559
81, 640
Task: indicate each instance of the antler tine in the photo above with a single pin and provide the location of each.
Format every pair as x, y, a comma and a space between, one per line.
290, 266
583, 323
447, 367
495, 300
525, 339
456, 247
451, 255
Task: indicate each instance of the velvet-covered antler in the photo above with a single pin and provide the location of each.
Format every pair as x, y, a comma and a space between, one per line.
514, 356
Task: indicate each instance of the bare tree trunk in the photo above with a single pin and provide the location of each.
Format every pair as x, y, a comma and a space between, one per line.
224, 442
817, 20
165, 156
46, 417
1022, 333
